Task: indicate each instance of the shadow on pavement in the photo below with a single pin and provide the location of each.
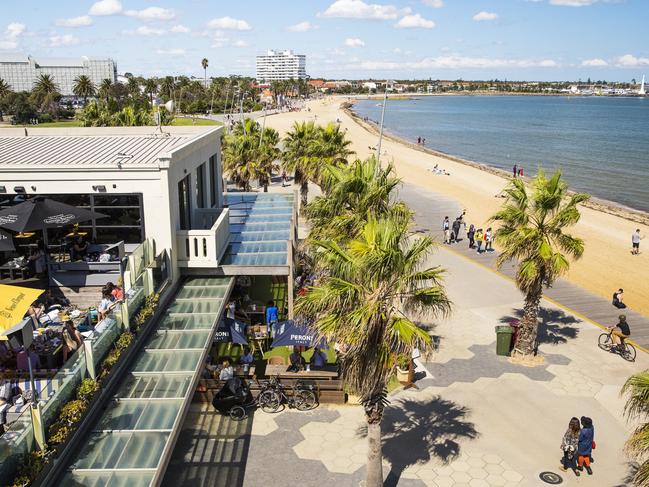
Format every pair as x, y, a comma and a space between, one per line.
417, 431
555, 325
632, 469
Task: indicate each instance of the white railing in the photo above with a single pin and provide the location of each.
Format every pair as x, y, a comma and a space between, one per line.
204, 248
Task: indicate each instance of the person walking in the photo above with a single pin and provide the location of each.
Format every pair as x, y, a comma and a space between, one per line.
585, 444
515, 170
471, 235
569, 446
635, 242
488, 237
618, 299
446, 226
456, 230
479, 236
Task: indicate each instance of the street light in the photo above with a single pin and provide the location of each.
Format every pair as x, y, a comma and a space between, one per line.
378, 149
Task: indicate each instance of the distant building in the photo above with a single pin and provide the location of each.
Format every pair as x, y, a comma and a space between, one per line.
22, 72
279, 65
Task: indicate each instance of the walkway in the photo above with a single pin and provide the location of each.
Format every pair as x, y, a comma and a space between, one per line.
431, 209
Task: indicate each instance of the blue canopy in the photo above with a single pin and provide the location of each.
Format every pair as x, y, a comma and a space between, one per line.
230, 330
294, 333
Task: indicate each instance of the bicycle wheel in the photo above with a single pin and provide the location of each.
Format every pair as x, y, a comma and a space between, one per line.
605, 342
269, 401
629, 352
305, 400
238, 413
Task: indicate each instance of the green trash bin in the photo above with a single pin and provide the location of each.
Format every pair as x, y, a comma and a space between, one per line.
503, 339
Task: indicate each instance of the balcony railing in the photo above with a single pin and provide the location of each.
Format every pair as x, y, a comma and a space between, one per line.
204, 248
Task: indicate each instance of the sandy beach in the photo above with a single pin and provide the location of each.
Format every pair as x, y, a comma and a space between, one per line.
607, 263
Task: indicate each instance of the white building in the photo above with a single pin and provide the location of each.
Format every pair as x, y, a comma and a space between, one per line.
22, 72
280, 65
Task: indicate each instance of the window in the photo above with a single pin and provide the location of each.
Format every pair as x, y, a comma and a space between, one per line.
200, 186
184, 203
213, 187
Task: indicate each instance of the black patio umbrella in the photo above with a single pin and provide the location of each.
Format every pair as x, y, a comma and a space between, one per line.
6, 241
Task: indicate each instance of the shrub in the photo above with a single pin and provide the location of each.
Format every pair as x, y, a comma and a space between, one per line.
73, 411
87, 390
124, 340
148, 309
403, 361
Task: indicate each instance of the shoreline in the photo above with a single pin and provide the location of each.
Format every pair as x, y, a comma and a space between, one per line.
595, 203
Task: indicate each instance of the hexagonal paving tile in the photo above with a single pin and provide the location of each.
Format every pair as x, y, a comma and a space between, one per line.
491, 458
460, 466
476, 462
512, 476
461, 477
479, 483
477, 473
495, 480
444, 482
493, 468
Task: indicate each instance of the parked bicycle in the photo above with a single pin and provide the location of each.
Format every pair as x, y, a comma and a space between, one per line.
274, 395
625, 350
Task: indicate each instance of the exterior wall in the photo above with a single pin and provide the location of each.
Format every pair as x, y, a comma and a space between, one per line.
22, 74
278, 65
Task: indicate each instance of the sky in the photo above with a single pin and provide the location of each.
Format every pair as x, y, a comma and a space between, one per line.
352, 39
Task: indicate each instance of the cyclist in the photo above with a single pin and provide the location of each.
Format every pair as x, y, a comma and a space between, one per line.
620, 332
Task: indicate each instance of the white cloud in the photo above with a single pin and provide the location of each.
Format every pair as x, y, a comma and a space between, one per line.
80, 21
106, 7
180, 29
65, 40
433, 3
228, 23
594, 63
171, 52
9, 39
219, 40
572, 3
144, 30
485, 16
458, 62
630, 60
152, 14
354, 42
301, 27
358, 9
240, 43
413, 22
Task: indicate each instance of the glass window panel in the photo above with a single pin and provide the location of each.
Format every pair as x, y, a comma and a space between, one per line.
165, 340
112, 479
130, 235
259, 236
140, 415
167, 361
150, 386
117, 200
257, 259
119, 217
185, 322
190, 292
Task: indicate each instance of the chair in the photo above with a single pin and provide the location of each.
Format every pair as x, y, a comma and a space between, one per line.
276, 361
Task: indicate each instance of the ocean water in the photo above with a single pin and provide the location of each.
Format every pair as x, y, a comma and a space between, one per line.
601, 144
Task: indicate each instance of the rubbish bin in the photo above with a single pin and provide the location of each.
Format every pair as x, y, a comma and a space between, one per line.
503, 339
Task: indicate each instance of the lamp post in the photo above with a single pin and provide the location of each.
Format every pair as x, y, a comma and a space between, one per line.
378, 148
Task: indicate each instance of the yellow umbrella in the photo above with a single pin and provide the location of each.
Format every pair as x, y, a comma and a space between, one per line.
14, 302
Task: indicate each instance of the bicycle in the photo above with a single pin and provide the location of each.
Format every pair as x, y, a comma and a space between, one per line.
273, 396
626, 350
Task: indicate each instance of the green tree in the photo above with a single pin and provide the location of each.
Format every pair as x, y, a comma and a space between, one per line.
133, 87
167, 86
45, 95
5, 89
105, 89
636, 409
371, 287
204, 64
151, 87
532, 228
84, 87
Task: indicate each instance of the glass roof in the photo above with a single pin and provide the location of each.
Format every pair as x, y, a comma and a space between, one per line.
127, 444
261, 224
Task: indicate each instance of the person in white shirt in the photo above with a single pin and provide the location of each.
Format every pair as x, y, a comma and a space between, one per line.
227, 372
635, 242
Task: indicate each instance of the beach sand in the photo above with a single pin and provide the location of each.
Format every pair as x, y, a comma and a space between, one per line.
607, 263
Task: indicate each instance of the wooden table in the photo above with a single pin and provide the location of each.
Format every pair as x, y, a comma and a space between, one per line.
329, 372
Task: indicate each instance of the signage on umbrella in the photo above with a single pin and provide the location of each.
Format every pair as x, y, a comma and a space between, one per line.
6, 241
295, 333
230, 330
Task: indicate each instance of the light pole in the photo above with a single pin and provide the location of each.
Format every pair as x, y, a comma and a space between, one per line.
378, 148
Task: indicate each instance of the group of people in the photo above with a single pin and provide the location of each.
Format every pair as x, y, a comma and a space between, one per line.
476, 237
421, 141
577, 445
226, 371
517, 171
318, 360
111, 296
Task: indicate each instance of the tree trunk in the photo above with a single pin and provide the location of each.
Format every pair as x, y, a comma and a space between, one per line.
373, 416
526, 342
304, 193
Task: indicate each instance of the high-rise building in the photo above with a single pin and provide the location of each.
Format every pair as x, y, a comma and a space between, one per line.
22, 72
275, 65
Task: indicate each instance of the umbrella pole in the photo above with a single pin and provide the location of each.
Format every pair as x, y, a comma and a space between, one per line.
47, 254
31, 379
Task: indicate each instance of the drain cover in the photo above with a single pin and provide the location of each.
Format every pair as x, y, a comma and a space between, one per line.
550, 478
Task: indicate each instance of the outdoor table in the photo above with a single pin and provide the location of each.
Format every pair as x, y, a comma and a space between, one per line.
329, 372
238, 371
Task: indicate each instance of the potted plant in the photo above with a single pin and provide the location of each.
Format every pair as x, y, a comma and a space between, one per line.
403, 367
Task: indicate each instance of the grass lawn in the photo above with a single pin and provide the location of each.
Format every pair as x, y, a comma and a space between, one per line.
178, 121
194, 121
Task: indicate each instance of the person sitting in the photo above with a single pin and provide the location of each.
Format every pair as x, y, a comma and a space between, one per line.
72, 339
227, 372
620, 331
247, 357
318, 359
105, 256
618, 299
37, 260
116, 292
79, 249
297, 361
107, 304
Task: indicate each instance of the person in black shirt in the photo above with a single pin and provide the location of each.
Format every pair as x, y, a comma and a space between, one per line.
620, 331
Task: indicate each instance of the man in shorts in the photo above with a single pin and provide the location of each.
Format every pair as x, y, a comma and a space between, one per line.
620, 331
635, 242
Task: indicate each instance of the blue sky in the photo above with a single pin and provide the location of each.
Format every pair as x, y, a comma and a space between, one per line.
447, 39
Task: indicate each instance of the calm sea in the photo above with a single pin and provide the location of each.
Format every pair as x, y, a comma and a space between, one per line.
600, 143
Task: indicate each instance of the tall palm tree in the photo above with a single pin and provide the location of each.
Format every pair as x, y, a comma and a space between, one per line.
532, 231
167, 86
133, 87
151, 87
205, 63
45, 94
363, 302
333, 144
45, 85
105, 88
84, 87
636, 390
5, 89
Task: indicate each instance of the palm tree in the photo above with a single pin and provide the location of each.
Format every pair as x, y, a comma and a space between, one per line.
5, 89
105, 88
151, 86
167, 86
533, 221
333, 144
45, 85
205, 63
84, 87
45, 94
370, 287
133, 87
636, 409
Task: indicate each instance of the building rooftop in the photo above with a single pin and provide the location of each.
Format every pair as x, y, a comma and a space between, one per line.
92, 148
